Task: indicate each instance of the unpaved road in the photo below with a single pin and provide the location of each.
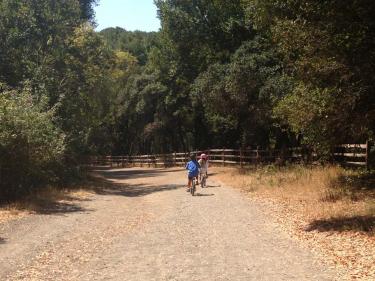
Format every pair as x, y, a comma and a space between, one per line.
146, 227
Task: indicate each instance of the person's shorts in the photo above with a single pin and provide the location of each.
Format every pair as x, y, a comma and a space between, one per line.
192, 176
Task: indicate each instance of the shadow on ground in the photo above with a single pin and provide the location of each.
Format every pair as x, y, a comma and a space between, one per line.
102, 182
204, 194
359, 186
365, 224
105, 187
123, 174
50, 202
2, 241
361, 181
58, 208
58, 202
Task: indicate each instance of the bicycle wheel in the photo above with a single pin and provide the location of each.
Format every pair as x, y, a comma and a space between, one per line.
203, 182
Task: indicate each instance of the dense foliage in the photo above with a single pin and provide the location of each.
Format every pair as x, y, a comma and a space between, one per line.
138, 43
252, 73
219, 73
53, 76
32, 148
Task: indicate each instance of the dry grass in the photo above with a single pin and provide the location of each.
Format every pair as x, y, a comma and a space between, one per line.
329, 208
316, 192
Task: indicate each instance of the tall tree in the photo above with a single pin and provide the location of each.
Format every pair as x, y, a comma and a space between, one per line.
326, 48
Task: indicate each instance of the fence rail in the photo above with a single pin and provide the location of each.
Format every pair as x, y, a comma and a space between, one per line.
347, 154
353, 154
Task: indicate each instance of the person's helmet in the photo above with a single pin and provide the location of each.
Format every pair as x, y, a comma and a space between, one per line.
203, 156
192, 156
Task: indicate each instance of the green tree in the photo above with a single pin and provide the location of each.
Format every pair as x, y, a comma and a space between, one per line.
238, 96
326, 47
31, 147
137, 43
56, 69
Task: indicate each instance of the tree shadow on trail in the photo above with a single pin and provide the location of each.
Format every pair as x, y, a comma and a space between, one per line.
59, 208
134, 173
204, 194
106, 187
50, 202
103, 182
364, 224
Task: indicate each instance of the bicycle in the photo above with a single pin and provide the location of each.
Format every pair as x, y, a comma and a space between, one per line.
193, 186
203, 180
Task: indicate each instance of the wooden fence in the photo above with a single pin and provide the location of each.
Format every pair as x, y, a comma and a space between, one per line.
348, 154
354, 154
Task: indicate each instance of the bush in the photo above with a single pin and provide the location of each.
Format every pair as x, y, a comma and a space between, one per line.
31, 147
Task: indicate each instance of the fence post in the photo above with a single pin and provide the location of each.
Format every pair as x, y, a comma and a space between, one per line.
368, 148
223, 157
241, 160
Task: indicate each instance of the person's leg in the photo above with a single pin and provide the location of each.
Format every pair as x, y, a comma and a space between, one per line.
189, 183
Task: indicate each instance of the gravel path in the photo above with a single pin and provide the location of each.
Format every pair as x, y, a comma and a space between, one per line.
146, 227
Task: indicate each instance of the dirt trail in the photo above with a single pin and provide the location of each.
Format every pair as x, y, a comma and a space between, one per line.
146, 227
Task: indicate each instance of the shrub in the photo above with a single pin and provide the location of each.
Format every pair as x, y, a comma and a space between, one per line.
31, 147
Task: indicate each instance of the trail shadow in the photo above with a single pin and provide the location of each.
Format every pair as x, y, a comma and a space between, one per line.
56, 202
134, 173
212, 186
50, 202
204, 194
105, 187
59, 208
364, 224
2, 240
103, 182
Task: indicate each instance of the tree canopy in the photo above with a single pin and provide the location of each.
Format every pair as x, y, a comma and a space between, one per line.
219, 73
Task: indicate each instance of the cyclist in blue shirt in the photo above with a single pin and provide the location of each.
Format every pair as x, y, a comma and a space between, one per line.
193, 170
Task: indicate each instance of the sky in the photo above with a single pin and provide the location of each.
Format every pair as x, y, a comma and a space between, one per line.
128, 14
